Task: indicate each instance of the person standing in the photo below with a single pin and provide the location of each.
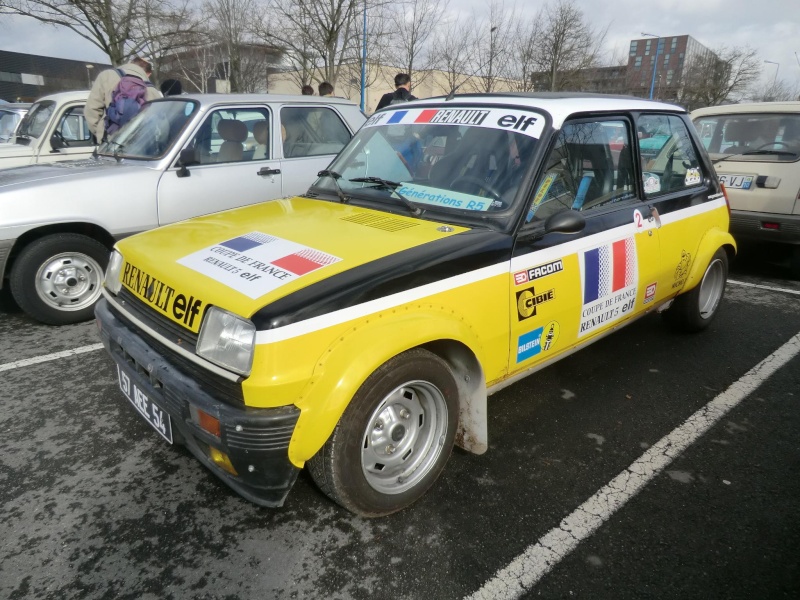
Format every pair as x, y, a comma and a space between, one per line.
100, 96
307, 90
402, 92
325, 89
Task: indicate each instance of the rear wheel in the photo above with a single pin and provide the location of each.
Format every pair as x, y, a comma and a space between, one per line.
794, 262
393, 439
57, 279
694, 310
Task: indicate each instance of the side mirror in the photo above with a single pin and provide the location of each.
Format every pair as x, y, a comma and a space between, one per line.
57, 142
185, 158
566, 221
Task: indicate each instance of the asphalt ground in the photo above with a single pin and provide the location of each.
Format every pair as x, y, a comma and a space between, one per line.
96, 505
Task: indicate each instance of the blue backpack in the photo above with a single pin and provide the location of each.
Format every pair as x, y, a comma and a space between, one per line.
127, 99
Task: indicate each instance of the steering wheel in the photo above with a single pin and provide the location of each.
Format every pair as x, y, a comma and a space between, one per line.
764, 146
61, 138
493, 192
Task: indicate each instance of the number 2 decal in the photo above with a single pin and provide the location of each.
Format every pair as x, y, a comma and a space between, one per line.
638, 220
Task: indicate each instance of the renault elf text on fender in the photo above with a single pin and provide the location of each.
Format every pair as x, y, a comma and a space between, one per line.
454, 247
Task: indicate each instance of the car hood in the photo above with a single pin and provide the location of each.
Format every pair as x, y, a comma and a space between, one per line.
10, 149
272, 259
68, 170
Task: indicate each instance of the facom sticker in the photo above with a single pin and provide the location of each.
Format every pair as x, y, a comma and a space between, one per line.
523, 277
649, 293
256, 263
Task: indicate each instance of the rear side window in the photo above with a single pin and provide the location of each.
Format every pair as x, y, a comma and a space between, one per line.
590, 166
668, 158
312, 131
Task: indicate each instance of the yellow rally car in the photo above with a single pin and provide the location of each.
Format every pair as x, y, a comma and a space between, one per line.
454, 246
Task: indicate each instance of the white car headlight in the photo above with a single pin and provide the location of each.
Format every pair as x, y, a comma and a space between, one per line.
112, 281
227, 340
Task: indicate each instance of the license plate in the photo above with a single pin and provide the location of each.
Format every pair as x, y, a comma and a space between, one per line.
157, 418
737, 182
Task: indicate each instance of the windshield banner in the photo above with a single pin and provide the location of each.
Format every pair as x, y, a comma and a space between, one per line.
518, 121
432, 195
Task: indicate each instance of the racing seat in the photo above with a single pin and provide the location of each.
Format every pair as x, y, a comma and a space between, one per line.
261, 135
482, 155
739, 133
234, 133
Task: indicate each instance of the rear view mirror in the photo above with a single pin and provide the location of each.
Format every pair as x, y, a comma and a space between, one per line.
187, 157
566, 221
57, 142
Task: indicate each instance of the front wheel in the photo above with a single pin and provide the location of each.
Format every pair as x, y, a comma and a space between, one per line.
694, 310
393, 439
57, 279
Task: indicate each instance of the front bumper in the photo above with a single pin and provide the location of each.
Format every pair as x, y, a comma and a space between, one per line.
746, 225
256, 440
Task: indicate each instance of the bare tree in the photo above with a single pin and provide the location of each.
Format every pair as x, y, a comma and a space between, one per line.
114, 27
453, 52
494, 52
721, 75
524, 55
779, 90
412, 24
565, 46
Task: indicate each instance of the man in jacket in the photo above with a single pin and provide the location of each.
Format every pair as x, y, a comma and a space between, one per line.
402, 93
100, 96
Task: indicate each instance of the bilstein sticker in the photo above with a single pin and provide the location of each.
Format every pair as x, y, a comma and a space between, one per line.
257, 263
157, 293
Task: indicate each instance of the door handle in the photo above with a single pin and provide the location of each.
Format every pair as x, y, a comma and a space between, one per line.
268, 171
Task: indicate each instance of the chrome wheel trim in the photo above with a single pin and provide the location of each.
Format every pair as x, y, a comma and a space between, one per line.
69, 281
711, 289
404, 437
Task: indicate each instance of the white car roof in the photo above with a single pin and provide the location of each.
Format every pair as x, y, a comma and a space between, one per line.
66, 96
210, 99
753, 107
560, 106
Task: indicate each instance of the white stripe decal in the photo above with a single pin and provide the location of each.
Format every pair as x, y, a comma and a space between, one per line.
48, 357
540, 558
764, 287
518, 263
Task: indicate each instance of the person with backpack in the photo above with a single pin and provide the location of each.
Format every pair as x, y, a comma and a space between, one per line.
117, 95
402, 93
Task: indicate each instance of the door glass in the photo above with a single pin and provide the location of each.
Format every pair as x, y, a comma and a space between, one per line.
233, 135
312, 131
669, 160
74, 129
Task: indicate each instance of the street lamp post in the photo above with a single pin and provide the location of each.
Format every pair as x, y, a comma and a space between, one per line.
364, 62
777, 66
89, 74
491, 57
655, 62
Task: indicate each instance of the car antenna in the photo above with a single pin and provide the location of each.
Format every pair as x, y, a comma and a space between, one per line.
452, 93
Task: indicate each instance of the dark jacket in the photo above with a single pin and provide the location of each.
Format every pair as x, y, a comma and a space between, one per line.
401, 94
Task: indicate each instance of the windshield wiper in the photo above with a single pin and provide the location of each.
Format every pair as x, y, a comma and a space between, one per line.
755, 153
117, 148
392, 185
343, 198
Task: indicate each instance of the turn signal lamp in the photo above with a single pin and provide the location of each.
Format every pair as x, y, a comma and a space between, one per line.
221, 460
727, 201
206, 421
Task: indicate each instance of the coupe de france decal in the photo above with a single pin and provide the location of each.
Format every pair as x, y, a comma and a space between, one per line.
539, 340
495, 118
609, 276
256, 263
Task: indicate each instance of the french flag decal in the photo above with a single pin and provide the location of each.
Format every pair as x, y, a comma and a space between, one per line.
608, 269
247, 242
304, 261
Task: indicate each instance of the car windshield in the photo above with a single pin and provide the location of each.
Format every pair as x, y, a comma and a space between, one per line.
752, 137
461, 160
8, 123
152, 132
35, 121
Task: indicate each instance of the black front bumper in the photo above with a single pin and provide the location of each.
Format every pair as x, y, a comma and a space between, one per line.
256, 440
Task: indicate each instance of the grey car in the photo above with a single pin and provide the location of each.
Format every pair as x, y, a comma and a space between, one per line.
10, 116
180, 157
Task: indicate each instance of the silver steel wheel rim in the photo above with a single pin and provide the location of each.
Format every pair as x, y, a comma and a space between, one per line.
404, 437
711, 289
69, 281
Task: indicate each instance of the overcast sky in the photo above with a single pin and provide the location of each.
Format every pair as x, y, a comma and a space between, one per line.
770, 26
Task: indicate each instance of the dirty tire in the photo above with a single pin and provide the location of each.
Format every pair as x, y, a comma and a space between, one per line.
794, 262
57, 279
394, 438
694, 310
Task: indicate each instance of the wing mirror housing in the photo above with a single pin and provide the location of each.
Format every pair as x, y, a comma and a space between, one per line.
187, 157
566, 221
57, 142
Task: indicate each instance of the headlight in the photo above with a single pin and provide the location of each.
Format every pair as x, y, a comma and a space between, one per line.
227, 340
112, 281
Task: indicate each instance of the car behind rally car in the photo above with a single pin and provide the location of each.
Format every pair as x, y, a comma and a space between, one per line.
756, 153
453, 247
179, 157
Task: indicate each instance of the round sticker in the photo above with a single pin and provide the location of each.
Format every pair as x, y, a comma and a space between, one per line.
550, 335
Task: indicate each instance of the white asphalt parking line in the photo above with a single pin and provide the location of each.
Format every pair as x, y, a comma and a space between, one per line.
48, 357
764, 287
540, 558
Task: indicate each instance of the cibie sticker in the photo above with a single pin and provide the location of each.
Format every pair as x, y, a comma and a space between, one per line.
692, 177
652, 183
256, 263
609, 277
519, 121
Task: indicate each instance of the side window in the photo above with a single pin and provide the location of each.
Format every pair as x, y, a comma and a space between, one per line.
590, 166
73, 127
233, 135
312, 131
669, 161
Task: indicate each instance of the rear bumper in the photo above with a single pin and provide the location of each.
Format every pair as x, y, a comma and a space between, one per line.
750, 226
256, 440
